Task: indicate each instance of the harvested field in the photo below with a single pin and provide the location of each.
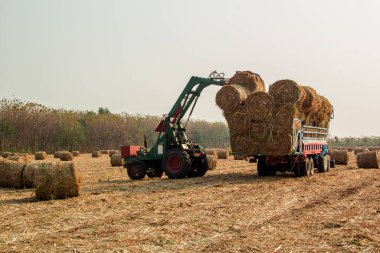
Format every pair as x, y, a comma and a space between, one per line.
337, 211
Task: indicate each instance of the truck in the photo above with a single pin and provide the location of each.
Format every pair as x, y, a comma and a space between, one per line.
310, 151
173, 152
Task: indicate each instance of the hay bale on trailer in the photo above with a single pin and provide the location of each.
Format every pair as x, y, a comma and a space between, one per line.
56, 180
259, 105
19, 159
285, 92
249, 80
341, 157
11, 173
231, 96
76, 153
40, 155
104, 152
367, 160
116, 160
66, 156
223, 154
212, 162
96, 153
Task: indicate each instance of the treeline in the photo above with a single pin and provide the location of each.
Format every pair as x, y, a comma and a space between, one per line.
29, 127
356, 141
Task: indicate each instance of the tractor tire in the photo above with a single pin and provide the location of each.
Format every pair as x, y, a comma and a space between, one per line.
199, 168
137, 170
157, 172
176, 164
323, 164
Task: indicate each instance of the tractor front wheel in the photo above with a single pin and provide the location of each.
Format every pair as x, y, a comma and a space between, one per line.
176, 164
137, 170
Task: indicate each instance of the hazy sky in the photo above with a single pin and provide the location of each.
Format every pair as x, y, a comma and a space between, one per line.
137, 56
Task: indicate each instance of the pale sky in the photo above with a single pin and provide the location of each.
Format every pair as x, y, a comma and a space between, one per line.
137, 56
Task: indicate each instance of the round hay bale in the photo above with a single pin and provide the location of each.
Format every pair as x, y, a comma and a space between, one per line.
239, 158
350, 149
259, 105
11, 173
282, 118
116, 160
285, 92
28, 174
213, 152
66, 156
104, 152
372, 148
280, 144
239, 120
40, 155
112, 152
76, 153
56, 181
6, 154
242, 144
19, 159
309, 99
96, 153
359, 150
211, 162
323, 115
259, 131
230, 96
368, 160
57, 154
249, 80
223, 154
341, 157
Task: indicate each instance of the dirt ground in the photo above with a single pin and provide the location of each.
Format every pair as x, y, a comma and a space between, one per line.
230, 209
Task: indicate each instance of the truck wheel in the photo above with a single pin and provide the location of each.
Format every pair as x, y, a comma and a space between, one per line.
311, 166
137, 170
199, 168
263, 169
176, 164
323, 164
304, 167
155, 172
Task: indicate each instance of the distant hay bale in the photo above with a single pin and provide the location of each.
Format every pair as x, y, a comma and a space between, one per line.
341, 157
213, 152
40, 155
239, 158
223, 154
76, 153
56, 181
249, 80
368, 159
116, 160
66, 156
96, 153
6, 154
350, 149
359, 150
57, 154
11, 173
230, 96
112, 152
285, 92
104, 152
20, 159
259, 105
211, 162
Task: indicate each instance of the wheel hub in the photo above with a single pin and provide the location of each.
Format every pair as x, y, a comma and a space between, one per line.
174, 163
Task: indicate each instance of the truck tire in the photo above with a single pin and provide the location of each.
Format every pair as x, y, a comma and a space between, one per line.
264, 170
137, 170
311, 166
304, 167
155, 172
323, 165
176, 164
199, 169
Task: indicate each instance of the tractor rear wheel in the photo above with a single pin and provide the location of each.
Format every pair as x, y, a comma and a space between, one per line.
176, 164
199, 168
137, 170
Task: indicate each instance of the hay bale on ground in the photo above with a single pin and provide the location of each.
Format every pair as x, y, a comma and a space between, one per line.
367, 160
230, 96
350, 149
104, 152
19, 159
56, 181
6, 154
223, 154
359, 150
116, 160
211, 162
76, 153
213, 152
57, 154
259, 105
66, 156
112, 152
249, 80
285, 92
28, 174
96, 153
11, 173
239, 158
341, 157
40, 155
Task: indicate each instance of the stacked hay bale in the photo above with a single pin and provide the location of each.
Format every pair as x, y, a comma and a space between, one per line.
212, 162
66, 156
11, 173
40, 155
56, 180
367, 160
262, 123
116, 160
341, 157
212, 151
19, 159
96, 153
